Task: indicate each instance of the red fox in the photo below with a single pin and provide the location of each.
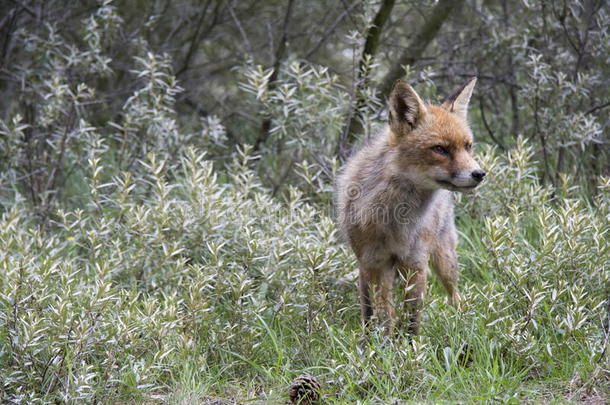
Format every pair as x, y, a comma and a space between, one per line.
395, 201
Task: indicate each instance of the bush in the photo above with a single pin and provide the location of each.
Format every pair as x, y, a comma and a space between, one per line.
171, 267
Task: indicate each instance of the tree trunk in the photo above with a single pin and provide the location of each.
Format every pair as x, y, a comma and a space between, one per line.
373, 36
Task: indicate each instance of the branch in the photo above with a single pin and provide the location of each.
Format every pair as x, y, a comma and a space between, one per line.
279, 55
331, 29
413, 52
420, 42
597, 107
371, 45
374, 34
606, 330
27, 8
487, 126
195, 40
241, 31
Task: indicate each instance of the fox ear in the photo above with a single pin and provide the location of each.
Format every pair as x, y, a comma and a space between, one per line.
458, 101
406, 108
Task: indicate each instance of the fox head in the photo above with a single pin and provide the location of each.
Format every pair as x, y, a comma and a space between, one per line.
433, 144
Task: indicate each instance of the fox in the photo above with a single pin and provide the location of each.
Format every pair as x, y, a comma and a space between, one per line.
395, 203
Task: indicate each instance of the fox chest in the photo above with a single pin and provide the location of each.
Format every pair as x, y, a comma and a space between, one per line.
403, 226
404, 234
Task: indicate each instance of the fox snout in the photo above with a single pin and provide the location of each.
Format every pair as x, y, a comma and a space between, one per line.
458, 173
478, 175
469, 176
464, 179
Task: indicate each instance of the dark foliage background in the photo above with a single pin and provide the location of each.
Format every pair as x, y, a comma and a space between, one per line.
542, 68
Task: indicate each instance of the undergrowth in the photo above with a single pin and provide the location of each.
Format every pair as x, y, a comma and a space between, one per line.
170, 285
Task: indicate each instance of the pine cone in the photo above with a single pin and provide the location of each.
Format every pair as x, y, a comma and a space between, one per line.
304, 390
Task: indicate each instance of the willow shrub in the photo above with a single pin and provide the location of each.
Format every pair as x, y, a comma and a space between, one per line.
168, 264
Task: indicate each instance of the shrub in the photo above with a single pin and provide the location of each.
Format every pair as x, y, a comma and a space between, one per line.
171, 266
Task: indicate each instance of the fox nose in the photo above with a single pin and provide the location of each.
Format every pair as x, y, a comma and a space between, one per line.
478, 174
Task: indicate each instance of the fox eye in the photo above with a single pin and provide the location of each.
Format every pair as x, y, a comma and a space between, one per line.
468, 147
441, 150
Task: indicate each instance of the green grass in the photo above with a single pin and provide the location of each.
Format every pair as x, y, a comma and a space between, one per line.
453, 360
377, 370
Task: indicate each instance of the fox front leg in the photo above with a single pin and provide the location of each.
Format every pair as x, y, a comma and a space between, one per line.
416, 284
364, 286
445, 265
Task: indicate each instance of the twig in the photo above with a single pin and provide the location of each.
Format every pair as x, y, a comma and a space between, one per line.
241, 30
195, 40
279, 55
486, 124
597, 107
331, 29
353, 125
26, 8
606, 330
540, 134
356, 25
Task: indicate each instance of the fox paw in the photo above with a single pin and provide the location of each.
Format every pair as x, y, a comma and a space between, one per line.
455, 300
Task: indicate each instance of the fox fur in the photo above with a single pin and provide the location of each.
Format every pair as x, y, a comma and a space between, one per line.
395, 202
